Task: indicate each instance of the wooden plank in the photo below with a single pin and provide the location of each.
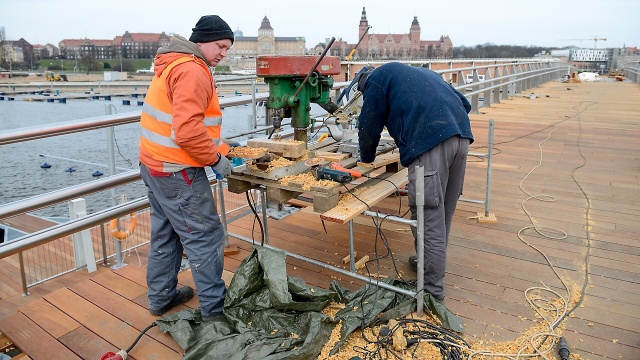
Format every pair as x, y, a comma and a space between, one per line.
360, 263
247, 152
350, 207
332, 156
86, 344
48, 317
382, 160
122, 308
117, 284
286, 148
32, 339
28, 223
108, 327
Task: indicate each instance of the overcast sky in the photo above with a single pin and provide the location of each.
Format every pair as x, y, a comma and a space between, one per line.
548, 23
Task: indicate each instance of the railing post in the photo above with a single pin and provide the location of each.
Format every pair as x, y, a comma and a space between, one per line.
104, 245
505, 88
420, 239
489, 163
352, 260
82, 244
496, 91
519, 85
23, 275
254, 119
223, 212
263, 200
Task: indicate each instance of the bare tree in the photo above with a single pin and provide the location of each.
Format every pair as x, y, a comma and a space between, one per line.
88, 59
3, 51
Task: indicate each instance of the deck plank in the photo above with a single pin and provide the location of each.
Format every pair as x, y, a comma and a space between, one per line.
105, 325
32, 339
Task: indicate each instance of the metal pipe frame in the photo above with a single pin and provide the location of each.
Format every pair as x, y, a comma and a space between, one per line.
330, 267
489, 156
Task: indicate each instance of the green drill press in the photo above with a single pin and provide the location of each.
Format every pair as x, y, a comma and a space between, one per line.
294, 83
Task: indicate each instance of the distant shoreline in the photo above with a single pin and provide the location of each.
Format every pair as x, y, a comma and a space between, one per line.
72, 78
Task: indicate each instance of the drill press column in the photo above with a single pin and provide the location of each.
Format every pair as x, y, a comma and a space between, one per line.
289, 92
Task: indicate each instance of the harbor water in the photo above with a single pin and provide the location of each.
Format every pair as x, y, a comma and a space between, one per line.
85, 152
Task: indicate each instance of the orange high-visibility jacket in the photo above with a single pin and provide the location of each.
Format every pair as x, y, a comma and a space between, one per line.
176, 132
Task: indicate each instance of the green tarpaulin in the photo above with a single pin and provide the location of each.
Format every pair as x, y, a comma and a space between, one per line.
270, 315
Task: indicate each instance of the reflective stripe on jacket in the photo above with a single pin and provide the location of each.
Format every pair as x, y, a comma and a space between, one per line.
157, 138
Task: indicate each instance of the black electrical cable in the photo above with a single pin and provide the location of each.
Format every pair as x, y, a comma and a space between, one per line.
140, 336
116, 140
323, 226
378, 225
319, 128
394, 185
256, 217
439, 335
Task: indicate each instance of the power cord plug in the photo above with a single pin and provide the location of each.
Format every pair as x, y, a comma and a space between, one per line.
563, 349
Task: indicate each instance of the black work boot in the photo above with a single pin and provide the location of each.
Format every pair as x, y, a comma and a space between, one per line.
183, 295
413, 263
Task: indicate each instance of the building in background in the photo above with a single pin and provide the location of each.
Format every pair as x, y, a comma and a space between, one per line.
594, 60
241, 58
266, 43
617, 58
391, 46
18, 51
139, 45
127, 46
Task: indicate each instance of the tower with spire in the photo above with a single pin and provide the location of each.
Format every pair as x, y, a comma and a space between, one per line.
397, 46
362, 28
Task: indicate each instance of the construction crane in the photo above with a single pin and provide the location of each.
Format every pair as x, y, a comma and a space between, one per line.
350, 56
594, 39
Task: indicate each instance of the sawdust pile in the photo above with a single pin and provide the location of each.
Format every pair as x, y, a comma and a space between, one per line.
307, 180
359, 345
276, 163
345, 204
248, 152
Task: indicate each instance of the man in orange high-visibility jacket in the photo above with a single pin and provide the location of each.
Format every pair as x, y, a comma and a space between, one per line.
179, 137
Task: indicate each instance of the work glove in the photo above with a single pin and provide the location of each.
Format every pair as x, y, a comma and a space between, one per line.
222, 168
232, 143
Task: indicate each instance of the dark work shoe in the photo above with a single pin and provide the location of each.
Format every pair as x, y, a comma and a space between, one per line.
413, 263
183, 295
212, 317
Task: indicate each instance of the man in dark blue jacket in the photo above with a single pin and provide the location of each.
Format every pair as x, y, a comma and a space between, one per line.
428, 120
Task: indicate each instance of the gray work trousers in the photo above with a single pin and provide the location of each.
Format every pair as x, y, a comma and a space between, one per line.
444, 168
184, 218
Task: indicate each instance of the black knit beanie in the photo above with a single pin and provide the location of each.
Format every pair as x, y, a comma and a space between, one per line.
211, 28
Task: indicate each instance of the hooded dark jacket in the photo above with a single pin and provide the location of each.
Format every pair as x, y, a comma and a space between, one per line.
418, 108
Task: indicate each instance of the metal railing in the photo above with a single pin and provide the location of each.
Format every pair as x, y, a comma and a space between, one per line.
632, 73
517, 76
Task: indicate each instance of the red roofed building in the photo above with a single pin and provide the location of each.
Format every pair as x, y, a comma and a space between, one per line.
139, 45
129, 45
394, 46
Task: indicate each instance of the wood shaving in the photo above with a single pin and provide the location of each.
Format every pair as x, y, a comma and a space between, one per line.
276, 163
332, 309
248, 152
307, 180
345, 204
280, 162
333, 340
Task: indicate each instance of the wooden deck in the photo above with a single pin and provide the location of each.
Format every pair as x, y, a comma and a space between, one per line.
589, 134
